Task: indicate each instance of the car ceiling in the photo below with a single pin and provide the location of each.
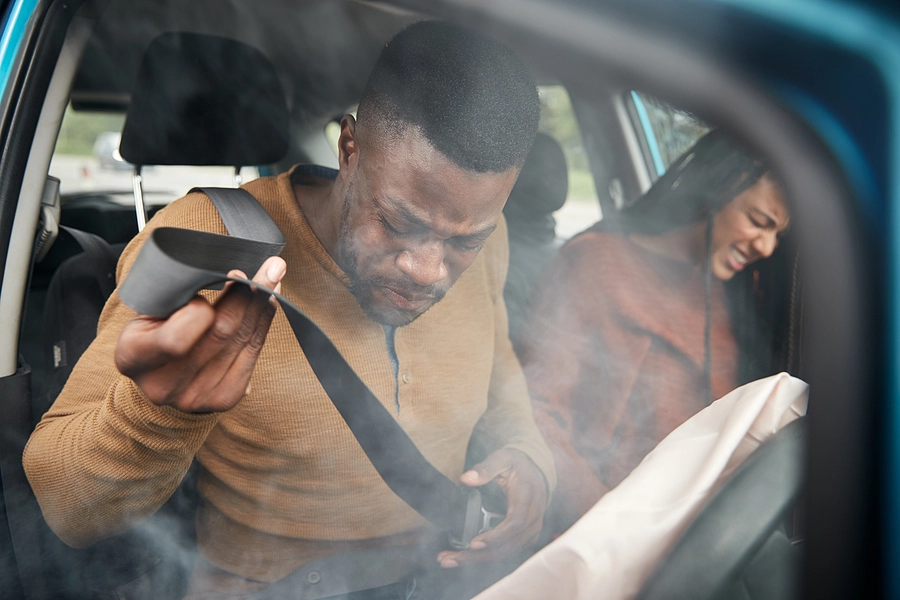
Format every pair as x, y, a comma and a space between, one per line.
323, 49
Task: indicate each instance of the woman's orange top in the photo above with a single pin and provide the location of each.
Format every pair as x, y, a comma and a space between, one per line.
614, 355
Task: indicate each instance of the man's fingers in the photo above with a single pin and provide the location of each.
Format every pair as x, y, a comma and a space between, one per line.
202, 356
450, 559
515, 532
505, 540
486, 471
232, 370
506, 530
147, 343
271, 272
226, 359
239, 306
526, 495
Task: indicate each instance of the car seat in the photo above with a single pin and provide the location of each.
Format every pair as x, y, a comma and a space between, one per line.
540, 191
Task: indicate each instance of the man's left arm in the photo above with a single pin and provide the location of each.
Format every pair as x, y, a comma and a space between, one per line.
520, 462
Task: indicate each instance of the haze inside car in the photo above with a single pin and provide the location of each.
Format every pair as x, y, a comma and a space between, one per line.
336, 52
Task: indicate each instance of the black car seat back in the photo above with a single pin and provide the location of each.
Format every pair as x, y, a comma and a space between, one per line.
203, 100
541, 190
76, 295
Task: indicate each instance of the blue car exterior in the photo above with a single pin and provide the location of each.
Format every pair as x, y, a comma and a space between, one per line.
15, 23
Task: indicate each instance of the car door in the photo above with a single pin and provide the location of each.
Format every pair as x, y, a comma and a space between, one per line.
16, 564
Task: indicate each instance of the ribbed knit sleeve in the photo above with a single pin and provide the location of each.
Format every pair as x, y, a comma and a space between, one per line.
508, 421
104, 458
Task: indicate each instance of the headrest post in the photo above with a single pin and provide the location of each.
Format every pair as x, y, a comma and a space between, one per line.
237, 177
139, 208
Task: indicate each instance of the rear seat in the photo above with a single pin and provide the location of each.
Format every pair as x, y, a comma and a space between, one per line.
540, 191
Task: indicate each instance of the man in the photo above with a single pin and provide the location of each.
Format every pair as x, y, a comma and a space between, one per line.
400, 257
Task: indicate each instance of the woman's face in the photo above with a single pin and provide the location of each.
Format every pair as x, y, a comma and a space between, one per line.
747, 228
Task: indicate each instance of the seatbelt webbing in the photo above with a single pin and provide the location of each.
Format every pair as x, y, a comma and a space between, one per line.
242, 215
175, 264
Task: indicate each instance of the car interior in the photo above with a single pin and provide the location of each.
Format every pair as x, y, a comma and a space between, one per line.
175, 94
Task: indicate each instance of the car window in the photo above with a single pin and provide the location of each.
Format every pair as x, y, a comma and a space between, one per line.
677, 327
667, 131
86, 159
558, 120
333, 132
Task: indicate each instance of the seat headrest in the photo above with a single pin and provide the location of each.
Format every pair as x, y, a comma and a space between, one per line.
543, 182
205, 100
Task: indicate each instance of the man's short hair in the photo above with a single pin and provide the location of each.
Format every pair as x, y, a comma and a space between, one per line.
469, 96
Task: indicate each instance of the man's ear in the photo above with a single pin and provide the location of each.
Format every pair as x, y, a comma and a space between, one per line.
348, 145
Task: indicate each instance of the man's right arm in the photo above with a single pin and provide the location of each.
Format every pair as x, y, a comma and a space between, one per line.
113, 448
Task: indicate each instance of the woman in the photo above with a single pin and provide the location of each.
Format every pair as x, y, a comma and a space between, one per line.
629, 334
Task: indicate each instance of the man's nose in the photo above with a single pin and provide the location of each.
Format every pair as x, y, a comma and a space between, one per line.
766, 243
424, 263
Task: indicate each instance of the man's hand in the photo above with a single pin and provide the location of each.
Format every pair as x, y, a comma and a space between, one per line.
200, 359
526, 495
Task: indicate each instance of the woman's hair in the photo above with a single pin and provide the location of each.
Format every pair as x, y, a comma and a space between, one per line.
709, 175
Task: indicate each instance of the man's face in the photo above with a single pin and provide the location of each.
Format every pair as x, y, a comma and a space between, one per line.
412, 221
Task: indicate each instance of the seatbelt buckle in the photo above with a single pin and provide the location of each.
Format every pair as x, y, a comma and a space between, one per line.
477, 520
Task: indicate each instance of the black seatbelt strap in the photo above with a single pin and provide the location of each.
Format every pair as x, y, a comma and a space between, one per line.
242, 215
174, 264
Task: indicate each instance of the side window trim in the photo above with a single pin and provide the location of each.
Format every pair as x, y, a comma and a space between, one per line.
14, 26
652, 144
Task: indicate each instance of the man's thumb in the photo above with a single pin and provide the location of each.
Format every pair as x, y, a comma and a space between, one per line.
482, 473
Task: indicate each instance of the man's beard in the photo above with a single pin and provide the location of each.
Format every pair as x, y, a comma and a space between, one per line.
364, 289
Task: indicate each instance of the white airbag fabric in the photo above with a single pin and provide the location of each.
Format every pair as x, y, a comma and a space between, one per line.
611, 551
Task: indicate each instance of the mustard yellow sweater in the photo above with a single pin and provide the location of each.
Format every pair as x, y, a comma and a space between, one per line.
282, 478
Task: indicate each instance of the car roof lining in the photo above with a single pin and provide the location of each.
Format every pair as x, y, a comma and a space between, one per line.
308, 42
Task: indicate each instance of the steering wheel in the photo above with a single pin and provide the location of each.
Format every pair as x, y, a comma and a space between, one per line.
736, 538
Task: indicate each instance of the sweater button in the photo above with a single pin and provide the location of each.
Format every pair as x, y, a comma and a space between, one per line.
405, 377
314, 577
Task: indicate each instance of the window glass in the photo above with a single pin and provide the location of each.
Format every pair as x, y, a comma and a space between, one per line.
592, 319
669, 131
332, 133
582, 206
87, 160
333, 128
